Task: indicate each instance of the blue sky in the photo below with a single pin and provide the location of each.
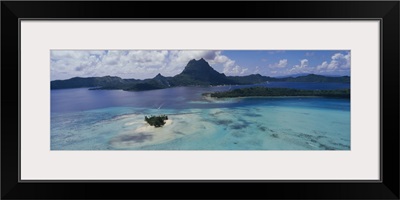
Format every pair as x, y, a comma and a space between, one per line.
143, 64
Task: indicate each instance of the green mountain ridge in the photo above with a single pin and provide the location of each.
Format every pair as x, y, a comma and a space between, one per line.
317, 78
196, 73
278, 92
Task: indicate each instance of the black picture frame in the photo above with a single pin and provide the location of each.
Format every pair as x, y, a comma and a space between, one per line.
386, 11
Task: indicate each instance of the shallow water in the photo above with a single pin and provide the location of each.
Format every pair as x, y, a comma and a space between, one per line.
83, 119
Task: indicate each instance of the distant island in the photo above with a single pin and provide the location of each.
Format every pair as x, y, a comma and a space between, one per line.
196, 73
274, 92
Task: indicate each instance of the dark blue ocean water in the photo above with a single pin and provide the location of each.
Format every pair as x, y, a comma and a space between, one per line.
83, 119
70, 100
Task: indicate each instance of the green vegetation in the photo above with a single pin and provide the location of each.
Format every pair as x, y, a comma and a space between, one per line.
106, 82
196, 72
317, 79
144, 86
271, 92
156, 121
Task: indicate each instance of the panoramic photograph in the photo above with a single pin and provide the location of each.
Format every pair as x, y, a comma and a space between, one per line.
200, 99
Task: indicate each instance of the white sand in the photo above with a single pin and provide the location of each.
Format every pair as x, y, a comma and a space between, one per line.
147, 128
220, 100
144, 134
131, 123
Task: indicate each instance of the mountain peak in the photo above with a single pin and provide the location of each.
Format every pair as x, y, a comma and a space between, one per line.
201, 71
195, 65
159, 76
201, 60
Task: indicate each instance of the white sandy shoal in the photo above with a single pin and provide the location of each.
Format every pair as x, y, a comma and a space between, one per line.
180, 126
220, 100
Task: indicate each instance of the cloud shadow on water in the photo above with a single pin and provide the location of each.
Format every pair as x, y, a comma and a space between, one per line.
139, 138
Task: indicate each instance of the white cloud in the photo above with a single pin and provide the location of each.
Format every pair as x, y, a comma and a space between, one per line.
323, 65
303, 65
220, 62
134, 64
281, 64
339, 62
231, 68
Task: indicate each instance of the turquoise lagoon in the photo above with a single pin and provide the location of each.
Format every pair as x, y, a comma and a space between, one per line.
83, 119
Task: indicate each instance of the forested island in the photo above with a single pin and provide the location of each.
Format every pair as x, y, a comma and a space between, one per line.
275, 92
156, 121
196, 73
